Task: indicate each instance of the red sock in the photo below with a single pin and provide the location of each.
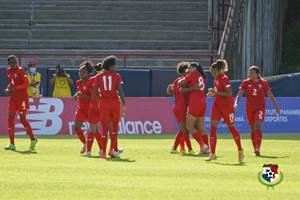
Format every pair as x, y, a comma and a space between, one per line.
236, 137
11, 128
213, 139
104, 137
259, 135
197, 136
177, 140
80, 135
116, 130
187, 140
90, 141
27, 126
205, 139
99, 140
253, 139
113, 141
181, 142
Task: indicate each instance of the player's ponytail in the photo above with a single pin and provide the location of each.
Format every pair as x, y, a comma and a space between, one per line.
87, 65
201, 71
257, 70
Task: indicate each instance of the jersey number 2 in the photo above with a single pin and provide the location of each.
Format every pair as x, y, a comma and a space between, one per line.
107, 83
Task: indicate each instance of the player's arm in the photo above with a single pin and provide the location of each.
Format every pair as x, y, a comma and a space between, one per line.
122, 97
273, 100
227, 93
238, 98
186, 89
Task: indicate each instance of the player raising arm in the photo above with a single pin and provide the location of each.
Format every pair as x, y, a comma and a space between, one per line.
222, 108
109, 91
255, 88
18, 101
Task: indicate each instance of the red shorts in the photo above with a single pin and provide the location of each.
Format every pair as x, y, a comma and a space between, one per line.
197, 109
255, 114
180, 115
110, 110
226, 112
18, 105
93, 115
81, 115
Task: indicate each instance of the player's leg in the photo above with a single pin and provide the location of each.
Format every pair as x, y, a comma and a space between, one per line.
214, 122
259, 119
90, 139
259, 135
200, 125
11, 131
80, 135
28, 129
98, 137
179, 138
104, 138
191, 126
215, 117
251, 121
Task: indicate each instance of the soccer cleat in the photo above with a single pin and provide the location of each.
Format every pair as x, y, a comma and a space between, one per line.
182, 151
87, 154
191, 152
204, 150
241, 156
256, 153
114, 154
174, 151
11, 147
211, 157
33, 144
120, 150
83, 149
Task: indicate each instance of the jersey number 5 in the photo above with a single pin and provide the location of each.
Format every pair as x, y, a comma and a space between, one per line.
107, 83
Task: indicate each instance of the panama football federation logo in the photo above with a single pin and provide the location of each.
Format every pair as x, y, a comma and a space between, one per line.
270, 176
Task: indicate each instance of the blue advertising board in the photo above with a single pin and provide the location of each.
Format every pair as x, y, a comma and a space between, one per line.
287, 122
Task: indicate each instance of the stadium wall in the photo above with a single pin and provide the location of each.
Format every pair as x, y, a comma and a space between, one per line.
153, 82
145, 116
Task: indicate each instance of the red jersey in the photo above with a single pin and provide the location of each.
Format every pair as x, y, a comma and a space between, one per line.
255, 92
220, 84
180, 98
93, 103
17, 78
84, 88
108, 83
192, 79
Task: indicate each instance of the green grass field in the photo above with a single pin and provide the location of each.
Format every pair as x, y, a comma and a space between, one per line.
146, 170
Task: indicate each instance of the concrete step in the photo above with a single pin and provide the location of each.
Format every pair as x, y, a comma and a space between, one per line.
14, 34
103, 44
120, 35
14, 15
114, 15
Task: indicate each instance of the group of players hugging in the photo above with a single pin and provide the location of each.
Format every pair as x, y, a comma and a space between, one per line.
190, 107
100, 99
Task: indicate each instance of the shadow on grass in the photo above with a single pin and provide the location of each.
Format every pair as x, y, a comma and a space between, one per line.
272, 157
25, 152
230, 164
120, 160
196, 155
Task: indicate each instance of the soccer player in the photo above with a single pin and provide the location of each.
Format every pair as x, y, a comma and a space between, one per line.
110, 94
255, 88
94, 117
179, 110
83, 95
222, 108
194, 83
18, 101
